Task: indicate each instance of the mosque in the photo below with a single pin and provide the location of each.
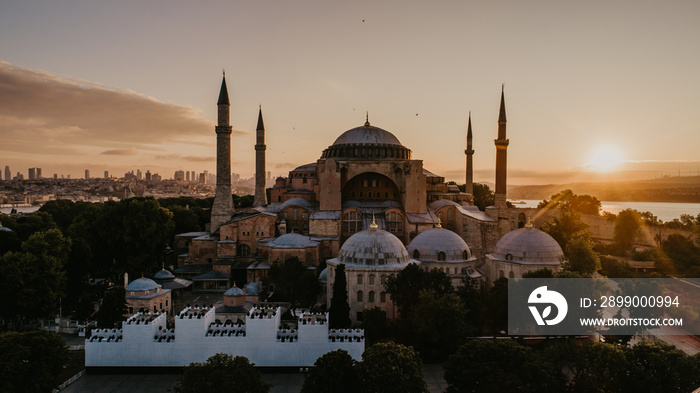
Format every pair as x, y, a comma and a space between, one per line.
366, 202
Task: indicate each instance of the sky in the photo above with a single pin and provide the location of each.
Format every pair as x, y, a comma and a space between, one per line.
595, 90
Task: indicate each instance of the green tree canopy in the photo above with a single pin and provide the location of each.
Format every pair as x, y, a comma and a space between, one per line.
222, 373
440, 324
333, 372
581, 257
481, 366
627, 229
113, 308
31, 362
567, 201
389, 367
567, 227
294, 283
483, 196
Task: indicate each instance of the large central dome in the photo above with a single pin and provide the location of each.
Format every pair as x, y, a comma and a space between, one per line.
369, 135
367, 142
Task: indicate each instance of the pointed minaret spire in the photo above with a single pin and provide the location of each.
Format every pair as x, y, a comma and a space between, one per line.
367, 119
260, 198
502, 114
469, 183
223, 94
501, 155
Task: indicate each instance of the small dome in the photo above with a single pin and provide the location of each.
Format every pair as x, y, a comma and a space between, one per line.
297, 202
373, 247
163, 275
528, 245
234, 291
432, 242
323, 277
292, 240
142, 284
369, 135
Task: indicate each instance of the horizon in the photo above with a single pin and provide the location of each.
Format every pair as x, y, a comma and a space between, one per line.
594, 92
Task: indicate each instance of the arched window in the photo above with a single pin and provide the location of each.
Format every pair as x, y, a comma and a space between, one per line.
243, 250
352, 223
371, 279
465, 254
383, 279
511, 274
416, 254
501, 274
394, 224
360, 279
382, 297
441, 256
360, 297
370, 297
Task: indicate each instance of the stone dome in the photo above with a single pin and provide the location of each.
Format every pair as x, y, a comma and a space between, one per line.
323, 277
373, 247
163, 275
234, 291
142, 284
253, 288
528, 245
432, 242
367, 142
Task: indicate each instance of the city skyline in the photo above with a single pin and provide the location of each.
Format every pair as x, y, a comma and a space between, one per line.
592, 89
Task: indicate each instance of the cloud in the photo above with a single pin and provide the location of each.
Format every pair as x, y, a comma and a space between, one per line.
120, 152
52, 112
185, 158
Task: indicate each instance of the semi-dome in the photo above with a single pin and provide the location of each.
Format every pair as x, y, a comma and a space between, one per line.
292, 240
528, 245
253, 288
431, 243
373, 247
323, 277
367, 142
297, 202
142, 284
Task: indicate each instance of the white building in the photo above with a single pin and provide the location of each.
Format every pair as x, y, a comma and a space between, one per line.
145, 341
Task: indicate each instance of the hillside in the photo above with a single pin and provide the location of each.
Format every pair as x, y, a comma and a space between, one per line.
666, 189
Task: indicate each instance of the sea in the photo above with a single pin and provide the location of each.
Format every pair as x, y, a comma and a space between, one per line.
662, 210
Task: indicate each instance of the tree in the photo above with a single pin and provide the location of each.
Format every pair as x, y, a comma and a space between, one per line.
30, 286
221, 373
566, 227
592, 367
683, 253
375, 324
567, 201
339, 311
439, 323
31, 361
113, 308
483, 196
657, 367
627, 228
497, 305
389, 367
500, 366
581, 257
294, 283
333, 372
405, 287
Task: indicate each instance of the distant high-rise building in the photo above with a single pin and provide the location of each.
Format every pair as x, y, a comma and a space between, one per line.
55, 176
106, 174
19, 176
148, 175
139, 175
155, 177
8, 174
179, 176
187, 176
38, 173
32, 173
68, 176
87, 174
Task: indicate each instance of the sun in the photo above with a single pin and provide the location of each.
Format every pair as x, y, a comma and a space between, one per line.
605, 158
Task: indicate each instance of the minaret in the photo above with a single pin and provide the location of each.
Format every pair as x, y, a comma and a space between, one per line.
501, 160
223, 203
260, 195
469, 185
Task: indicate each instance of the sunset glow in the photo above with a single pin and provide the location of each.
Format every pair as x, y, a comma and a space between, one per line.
605, 158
